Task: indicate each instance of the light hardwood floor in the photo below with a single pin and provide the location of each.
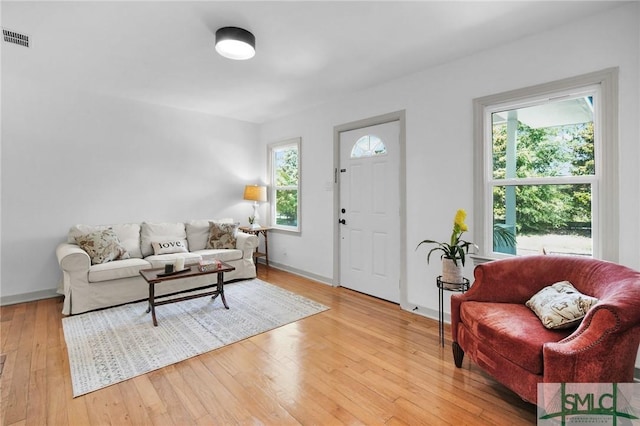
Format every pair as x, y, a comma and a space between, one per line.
364, 361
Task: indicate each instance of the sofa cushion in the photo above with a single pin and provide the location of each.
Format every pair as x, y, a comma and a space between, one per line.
511, 330
169, 246
560, 305
158, 261
224, 255
128, 234
222, 235
198, 232
102, 246
118, 269
150, 232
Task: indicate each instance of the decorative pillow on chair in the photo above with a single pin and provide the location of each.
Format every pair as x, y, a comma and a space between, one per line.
102, 246
560, 305
167, 247
222, 235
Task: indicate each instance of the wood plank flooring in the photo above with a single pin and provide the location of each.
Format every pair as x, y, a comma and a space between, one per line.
364, 361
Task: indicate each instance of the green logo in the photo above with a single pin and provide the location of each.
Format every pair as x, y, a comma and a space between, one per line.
587, 403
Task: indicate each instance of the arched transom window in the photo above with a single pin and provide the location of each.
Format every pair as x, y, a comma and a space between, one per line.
368, 146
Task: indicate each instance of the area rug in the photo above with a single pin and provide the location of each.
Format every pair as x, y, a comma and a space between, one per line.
112, 345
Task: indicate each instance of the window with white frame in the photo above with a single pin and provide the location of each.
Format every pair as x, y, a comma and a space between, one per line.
546, 169
368, 146
284, 171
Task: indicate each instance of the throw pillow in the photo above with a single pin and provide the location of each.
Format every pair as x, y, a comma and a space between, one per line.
128, 235
102, 246
198, 232
222, 235
159, 232
167, 247
560, 305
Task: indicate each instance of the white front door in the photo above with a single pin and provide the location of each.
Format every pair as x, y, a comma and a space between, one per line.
370, 210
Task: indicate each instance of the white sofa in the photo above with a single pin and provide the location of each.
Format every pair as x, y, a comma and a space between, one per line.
88, 286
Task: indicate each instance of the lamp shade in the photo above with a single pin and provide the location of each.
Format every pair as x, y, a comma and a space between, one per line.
255, 193
235, 43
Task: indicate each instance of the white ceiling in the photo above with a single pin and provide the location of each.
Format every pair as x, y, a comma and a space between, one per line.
308, 53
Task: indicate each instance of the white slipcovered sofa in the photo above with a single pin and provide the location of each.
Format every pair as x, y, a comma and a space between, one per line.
89, 283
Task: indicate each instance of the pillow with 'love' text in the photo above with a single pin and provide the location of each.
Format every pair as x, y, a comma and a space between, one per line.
170, 246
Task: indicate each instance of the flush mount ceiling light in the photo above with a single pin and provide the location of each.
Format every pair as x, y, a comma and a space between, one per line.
235, 43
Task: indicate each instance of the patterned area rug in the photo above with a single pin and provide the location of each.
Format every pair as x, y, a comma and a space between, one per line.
109, 346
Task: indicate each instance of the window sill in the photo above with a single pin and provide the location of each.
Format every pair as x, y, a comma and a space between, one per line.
286, 230
479, 259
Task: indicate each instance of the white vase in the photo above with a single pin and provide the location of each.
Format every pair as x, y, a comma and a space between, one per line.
452, 273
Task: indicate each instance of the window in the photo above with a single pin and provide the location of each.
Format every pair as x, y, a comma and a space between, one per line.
284, 170
546, 173
368, 146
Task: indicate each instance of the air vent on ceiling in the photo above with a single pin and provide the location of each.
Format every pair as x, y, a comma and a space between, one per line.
15, 37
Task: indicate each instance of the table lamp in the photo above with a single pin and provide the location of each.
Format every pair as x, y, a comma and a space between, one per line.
255, 193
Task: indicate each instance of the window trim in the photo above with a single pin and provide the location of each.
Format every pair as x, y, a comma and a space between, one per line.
271, 149
605, 216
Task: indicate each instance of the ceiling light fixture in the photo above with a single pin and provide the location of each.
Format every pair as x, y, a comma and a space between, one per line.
235, 43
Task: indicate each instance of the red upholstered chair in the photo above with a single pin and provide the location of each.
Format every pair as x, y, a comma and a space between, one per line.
499, 333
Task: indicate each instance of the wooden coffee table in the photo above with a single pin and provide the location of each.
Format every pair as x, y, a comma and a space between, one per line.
158, 276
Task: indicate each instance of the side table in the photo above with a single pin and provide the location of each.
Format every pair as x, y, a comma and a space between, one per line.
257, 231
443, 285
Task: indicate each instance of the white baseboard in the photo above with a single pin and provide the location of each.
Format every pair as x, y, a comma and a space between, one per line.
28, 297
427, 312
300, 272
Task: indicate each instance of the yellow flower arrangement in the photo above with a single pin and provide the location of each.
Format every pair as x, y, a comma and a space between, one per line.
456, 248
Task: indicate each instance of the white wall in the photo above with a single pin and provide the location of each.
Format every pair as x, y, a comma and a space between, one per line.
438, 104
70, 157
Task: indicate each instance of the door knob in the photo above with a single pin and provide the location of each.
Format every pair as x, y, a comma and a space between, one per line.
342, 221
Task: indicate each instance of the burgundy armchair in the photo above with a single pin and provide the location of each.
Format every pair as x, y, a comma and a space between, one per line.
499, 333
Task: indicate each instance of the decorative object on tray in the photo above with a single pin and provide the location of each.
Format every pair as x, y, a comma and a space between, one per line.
453, 252
209, 265
173, 271
178, 265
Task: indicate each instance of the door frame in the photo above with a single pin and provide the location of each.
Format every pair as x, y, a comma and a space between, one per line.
367, 122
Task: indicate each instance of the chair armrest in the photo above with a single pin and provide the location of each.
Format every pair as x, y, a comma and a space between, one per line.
603, 348
72, 258
247, 243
